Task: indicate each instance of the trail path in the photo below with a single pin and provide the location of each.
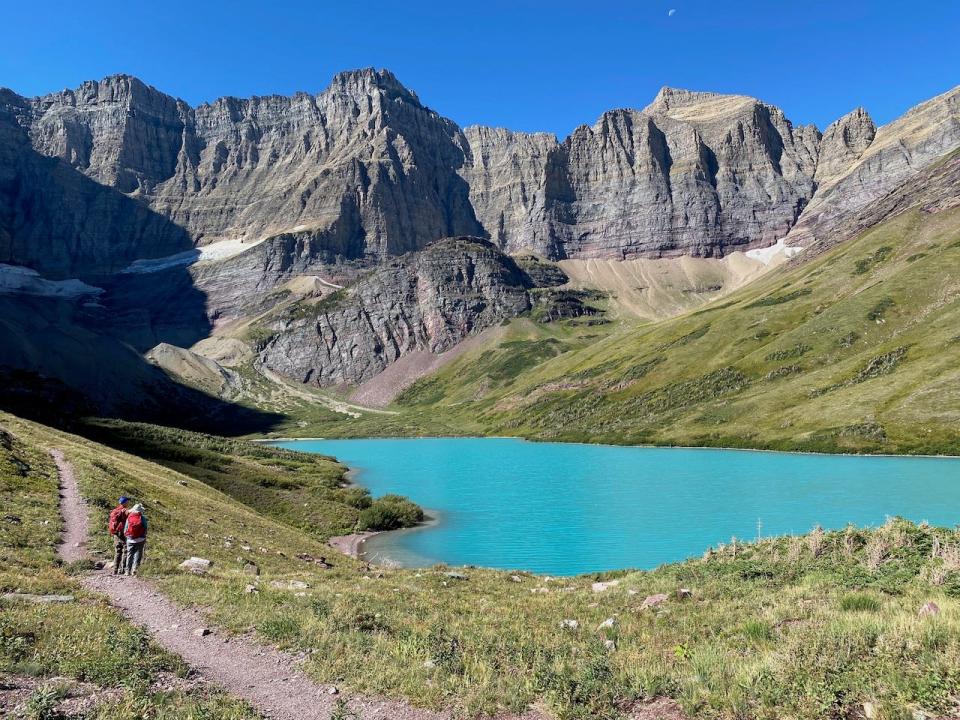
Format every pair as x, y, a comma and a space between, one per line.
269, 680
73, 545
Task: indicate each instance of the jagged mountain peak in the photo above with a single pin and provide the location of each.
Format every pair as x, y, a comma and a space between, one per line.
843, 142
369, 80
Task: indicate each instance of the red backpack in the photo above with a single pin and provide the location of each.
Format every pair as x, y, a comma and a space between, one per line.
135, 528
118, 516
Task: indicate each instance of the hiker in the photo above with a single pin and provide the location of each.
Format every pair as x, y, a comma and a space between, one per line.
135, 531
118, 520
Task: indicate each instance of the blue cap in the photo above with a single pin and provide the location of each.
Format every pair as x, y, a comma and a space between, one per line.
123, 499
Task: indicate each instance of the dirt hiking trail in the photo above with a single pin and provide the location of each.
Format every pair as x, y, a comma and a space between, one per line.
266, 678
269, 680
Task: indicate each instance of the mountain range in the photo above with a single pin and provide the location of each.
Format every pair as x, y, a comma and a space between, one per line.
250, 247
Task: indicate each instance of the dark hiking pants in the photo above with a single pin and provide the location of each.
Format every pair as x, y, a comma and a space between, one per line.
119, 554
134, 556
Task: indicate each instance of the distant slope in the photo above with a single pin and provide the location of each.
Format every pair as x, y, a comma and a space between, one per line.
854, 350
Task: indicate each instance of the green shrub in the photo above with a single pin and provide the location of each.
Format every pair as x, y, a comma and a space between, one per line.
879, 311
390, 513
779, 299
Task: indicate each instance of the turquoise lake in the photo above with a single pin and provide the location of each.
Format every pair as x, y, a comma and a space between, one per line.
564, 509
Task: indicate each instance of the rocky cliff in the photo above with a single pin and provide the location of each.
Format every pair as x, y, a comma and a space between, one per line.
861, 165
364, 170
139, 195
429, 300
693, 173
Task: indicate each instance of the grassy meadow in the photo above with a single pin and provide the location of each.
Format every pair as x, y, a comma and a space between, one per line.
798, 627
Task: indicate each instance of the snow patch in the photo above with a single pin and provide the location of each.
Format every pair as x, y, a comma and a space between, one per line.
213, 252
18, 280
767, 254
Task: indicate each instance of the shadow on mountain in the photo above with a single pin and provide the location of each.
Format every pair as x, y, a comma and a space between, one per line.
56, 370
65, 353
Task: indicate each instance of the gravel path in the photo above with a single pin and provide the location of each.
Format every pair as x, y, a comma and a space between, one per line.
268, 679
73, 545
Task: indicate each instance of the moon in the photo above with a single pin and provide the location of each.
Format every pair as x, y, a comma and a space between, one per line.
672, 12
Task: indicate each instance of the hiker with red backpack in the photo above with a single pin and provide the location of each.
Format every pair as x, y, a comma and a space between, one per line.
118, 519
135, 531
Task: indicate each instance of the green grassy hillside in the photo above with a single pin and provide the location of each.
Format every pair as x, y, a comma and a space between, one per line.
81, 648
807, 627
308, 492
855, 350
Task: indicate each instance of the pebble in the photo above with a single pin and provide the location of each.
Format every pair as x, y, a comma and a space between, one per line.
570, 624
608, 623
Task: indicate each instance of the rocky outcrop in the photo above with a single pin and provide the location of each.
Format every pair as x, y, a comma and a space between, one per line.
843, 142
429, 300
933, 189
898, 152
56, 219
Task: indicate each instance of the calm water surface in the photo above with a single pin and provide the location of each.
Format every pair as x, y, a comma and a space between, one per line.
565, 509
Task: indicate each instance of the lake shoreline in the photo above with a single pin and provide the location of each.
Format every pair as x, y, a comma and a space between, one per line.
543, 485
534, 441
352, 544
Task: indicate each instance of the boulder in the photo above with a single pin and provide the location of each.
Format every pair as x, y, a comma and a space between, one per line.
196, 565
202, 631
652, 601
37, 599
608, 623
289, 584
570, 624
599, 587
251, 569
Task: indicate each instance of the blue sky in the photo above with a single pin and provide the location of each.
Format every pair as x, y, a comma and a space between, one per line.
523, 65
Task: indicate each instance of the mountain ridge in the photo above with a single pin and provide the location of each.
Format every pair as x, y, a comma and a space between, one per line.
366, 170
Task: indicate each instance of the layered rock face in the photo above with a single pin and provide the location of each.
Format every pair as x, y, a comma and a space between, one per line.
364, 168
693, 173
429, 300
874, 164
56, 219
364, 171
